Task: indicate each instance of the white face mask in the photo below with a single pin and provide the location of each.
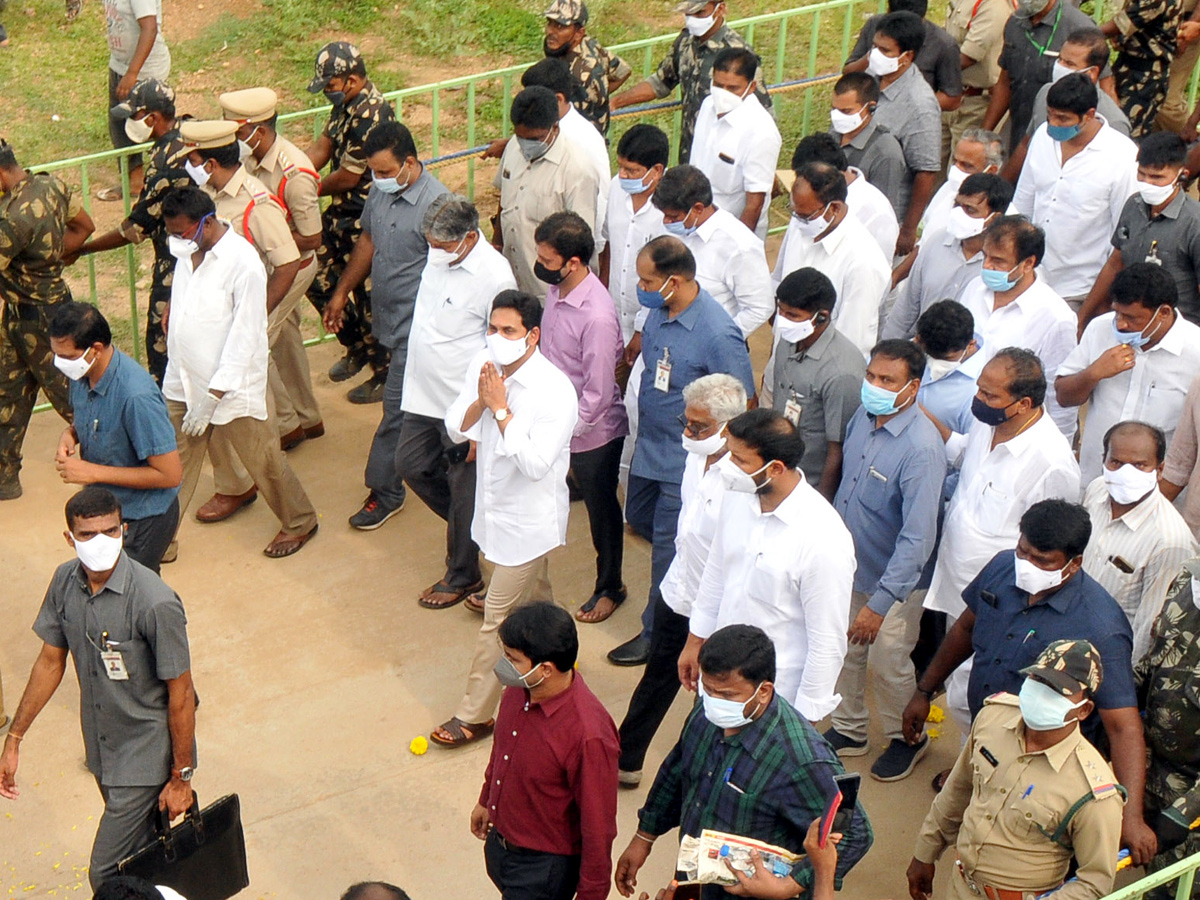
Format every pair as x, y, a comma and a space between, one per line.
198, 173
708, 446
138, 130
794, 332
937, 369
504, 351
1060, 71
1129, 484
725, 102
844, 123
881, 64
727, 713
738, 480
181, 248
1042, 707
955, 176
99, 553
76, 368
812, 228
960, 225
1033, 580
443, 259
244, 151
1154, 194
698, 26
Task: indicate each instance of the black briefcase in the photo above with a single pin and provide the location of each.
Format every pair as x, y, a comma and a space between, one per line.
203, 857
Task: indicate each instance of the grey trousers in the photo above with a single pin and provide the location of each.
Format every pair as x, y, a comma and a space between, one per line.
382, 475
126, 826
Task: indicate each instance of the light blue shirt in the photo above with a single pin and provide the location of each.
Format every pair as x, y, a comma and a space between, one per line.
949, 398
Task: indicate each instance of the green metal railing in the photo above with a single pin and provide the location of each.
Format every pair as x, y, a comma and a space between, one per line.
1184, 871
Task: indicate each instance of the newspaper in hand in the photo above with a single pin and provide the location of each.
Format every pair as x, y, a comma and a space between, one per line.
702, 859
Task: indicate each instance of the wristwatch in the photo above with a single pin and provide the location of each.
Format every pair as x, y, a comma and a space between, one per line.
502, 414
185, 774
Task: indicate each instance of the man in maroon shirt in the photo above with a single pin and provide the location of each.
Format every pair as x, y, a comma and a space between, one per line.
548, 809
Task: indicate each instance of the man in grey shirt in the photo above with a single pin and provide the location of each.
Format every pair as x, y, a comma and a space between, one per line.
938, 60
392, 250
127, 634
818, 374
869, 147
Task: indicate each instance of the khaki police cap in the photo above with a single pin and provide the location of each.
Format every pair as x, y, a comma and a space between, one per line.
250, 105
205, 135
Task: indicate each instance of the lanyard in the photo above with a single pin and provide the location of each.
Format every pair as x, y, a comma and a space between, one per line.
1042, 48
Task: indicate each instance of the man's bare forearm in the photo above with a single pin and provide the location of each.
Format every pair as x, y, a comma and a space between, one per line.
44, 680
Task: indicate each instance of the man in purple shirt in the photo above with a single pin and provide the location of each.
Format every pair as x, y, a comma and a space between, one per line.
581, 335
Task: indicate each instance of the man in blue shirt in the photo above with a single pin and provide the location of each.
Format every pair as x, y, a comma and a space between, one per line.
1025, 600
687, 335
946, 332
893, 465
122, 438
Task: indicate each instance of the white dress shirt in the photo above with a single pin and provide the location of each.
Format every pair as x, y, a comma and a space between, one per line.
218, 335
626, 232
449, 326
731, 265
790, 572
1038, 320
584, 133
701, 494
938, 211
1076, 204
738, 152
1152, 391
871, 206
1152, 540
521, 498
995, 487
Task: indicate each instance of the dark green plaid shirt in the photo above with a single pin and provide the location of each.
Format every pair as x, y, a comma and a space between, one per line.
768, 782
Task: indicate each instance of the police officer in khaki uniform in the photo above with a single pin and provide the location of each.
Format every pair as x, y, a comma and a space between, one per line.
247, 204
289, 175
40, 222
598, 71
1027, 793
358, 107
977, 26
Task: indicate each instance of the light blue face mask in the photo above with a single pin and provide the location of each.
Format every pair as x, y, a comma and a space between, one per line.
879, 402
390, 185
998, 281
1062, 133
680, 228
1042, 707
632, 185
727, 713
1135, 339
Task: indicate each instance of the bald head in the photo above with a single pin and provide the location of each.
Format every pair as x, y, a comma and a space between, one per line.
374, 890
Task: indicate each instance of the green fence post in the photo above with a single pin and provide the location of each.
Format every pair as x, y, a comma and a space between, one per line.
131, 265
506, 83
813, 40
85, 186
436, 109
781, 50
471, 139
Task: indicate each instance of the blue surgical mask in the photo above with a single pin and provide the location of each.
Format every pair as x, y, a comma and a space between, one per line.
1042, 707
1135, 339
727, 713
880, 402
653, 299
998, 281
1062, 133
632, 185
680, 228
390, 185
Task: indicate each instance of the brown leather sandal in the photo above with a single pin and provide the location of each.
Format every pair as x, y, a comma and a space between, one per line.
462, 733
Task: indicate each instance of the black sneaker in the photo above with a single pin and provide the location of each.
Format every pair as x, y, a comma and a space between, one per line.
370, 391
373, 514
898, 760
844, 746
10, 490
345, 368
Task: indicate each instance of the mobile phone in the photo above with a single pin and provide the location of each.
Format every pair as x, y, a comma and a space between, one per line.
459, 452
848, 784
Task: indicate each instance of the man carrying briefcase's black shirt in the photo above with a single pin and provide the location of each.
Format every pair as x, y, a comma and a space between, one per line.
126, 633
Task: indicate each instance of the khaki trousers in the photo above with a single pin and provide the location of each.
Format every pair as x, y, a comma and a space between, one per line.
510, 586
888, 659
1174, 112
256, 442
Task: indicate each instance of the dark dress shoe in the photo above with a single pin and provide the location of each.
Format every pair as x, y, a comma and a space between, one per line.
634, 652
292, 439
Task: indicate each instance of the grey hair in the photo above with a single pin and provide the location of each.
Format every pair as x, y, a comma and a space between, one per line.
722, 395
450, 217
993, 147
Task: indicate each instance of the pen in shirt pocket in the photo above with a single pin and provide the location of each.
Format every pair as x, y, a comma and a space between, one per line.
728, 775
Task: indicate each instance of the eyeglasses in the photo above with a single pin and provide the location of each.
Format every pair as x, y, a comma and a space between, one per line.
692, 428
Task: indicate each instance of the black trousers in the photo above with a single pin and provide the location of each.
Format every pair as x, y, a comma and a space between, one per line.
146, 540
529, 874
655, 693
597, 472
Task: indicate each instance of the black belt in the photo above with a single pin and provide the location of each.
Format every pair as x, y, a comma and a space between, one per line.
969, 91
513, 848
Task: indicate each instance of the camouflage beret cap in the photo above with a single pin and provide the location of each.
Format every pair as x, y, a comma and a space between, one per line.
148, 95
338, 58
1068, 667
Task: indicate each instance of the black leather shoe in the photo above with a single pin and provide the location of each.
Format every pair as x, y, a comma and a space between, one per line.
634, 652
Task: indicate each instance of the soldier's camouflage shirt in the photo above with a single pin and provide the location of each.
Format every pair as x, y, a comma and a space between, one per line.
164, 173
33, 223
347, 130
594, 67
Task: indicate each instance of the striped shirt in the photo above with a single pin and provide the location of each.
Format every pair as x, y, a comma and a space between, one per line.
1151, 540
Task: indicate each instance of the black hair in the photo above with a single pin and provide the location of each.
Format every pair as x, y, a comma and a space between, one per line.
90, 502
226, 156
1162, 148
356, 891
681, 188
1097, 46
535, 107
528, 307
864, 86
826, 181
999, 192
744, 649
1055, 524
127, 887
1146, 284
190, 202
543, 631
769, 434
1028, 375
916, 7
8, 156
945, 328
83, 323
553, 73
1074, 93
646, 145
808, 289
1027, 238
390, 135
671, 256
905, 28
822, 147
907, 352
568, 234
1156, 434
740, 61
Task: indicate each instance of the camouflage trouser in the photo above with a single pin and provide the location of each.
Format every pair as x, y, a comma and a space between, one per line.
156, 341
339, 233
26, 363
1142, 92
1163, 787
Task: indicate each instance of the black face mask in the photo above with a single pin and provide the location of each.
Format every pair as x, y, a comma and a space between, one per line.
550, 276
337, 98
561, 51
989, 415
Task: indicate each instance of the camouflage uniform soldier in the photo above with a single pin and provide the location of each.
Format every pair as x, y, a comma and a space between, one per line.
598, 72
689, 65
1168, 680
149, 112
1144, 31
40, 221
358, 106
